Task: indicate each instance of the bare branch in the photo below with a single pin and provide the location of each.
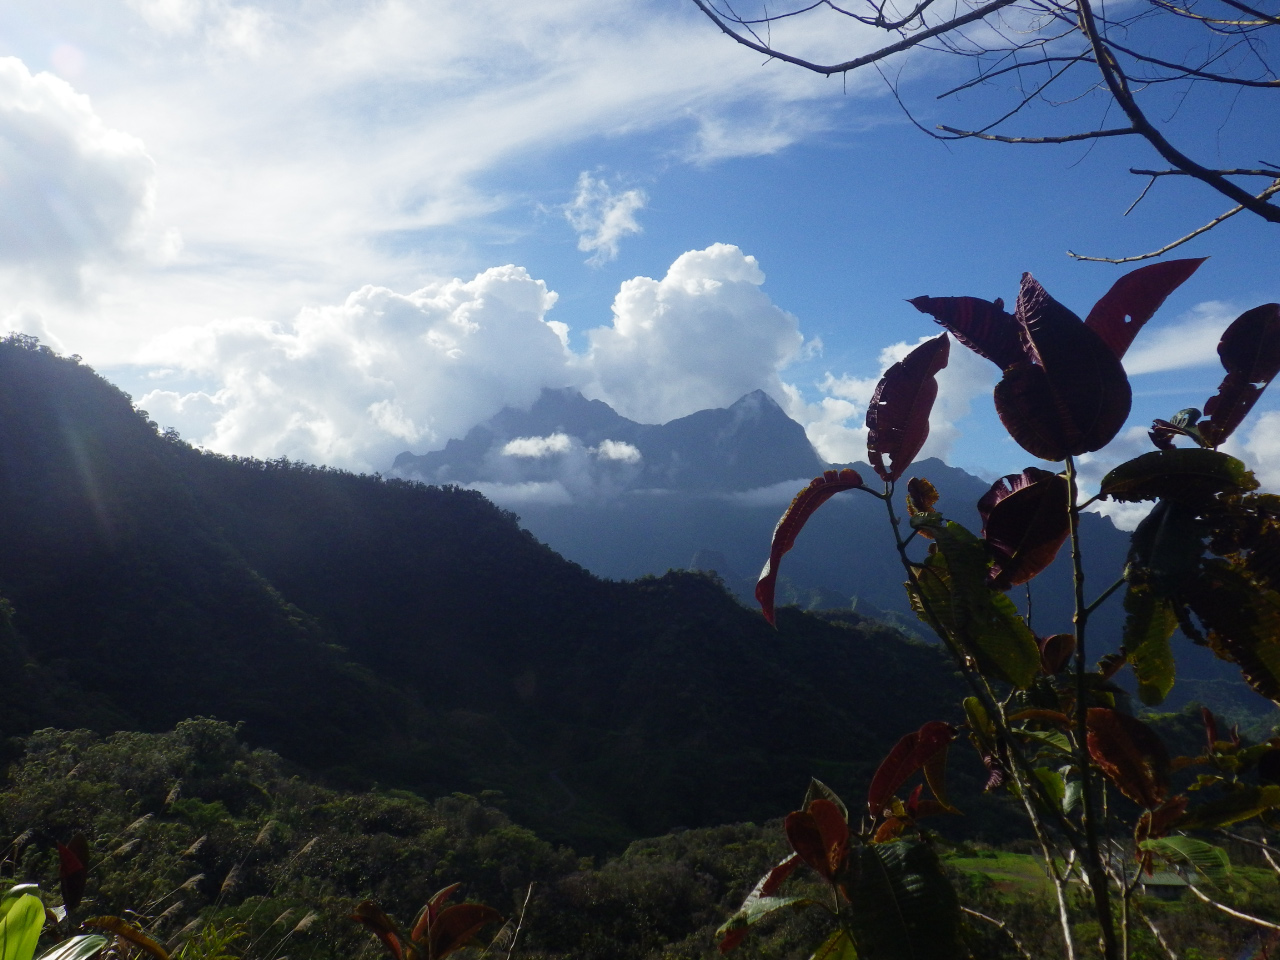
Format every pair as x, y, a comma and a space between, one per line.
906, 43
1256, 921
1066, 138
1226, 173
1244, 8
1186, 71
1119, 87
983, 78
1004, 928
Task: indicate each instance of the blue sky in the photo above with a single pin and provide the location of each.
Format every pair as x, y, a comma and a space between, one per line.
228, 208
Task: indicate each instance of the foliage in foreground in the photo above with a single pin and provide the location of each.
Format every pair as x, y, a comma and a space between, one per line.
1095, 782
218, 851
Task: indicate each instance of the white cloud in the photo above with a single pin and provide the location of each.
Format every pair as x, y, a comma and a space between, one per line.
1260, 448
355, 384
602, 218
1191, 342
536, 448
702, 336
619, 451
836, 423
73, 191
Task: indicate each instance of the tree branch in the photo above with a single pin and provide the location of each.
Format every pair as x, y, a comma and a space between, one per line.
1067, 138
1256, 921
1119, 87
906, 43
1270, 191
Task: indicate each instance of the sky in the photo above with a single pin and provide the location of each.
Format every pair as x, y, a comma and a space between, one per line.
335, 231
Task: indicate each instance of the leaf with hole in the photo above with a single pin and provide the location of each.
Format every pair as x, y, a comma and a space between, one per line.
1134, 299
819, 491
898, 414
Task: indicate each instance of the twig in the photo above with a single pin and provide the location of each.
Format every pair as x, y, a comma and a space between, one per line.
1155, 932
519, 923
1271, 190
1257, 921
1004, 928
1067, 138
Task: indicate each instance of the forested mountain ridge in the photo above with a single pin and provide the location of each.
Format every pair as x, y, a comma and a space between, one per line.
384, 630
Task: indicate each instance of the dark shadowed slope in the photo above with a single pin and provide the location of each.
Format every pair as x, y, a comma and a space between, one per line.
413, 635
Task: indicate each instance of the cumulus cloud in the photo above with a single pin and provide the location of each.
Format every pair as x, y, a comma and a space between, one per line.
702, 336
619, 451
536, 448
602, 218
836, 422
357, 383
72, 190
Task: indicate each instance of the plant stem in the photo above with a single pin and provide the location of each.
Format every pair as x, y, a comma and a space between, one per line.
1094, 873
1106, 593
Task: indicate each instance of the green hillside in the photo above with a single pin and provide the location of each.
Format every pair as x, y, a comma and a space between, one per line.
412, 636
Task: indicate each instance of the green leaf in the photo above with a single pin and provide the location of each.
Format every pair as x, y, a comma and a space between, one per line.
1207, 859
77, 948
820, 791
1189, 473
983, 621
1150, 623
1054, 786
901, 904
20, 927
1058, 741
1241, 804
838, 946
1242, 621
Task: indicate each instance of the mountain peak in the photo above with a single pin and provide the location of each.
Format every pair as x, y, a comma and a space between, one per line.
596, 451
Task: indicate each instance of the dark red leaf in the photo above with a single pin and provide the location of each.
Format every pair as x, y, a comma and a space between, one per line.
432, 910
1025, 527
1210, 727
1134, 298
1131, 754
1158, 822
1055, 652
820, 836
891, 829
73, 863
1250, 352
907, 756
733, 939
1007, 485
819, 491
456, 926
1070, 395
898, 415
980, 325
773, 880
373, 917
